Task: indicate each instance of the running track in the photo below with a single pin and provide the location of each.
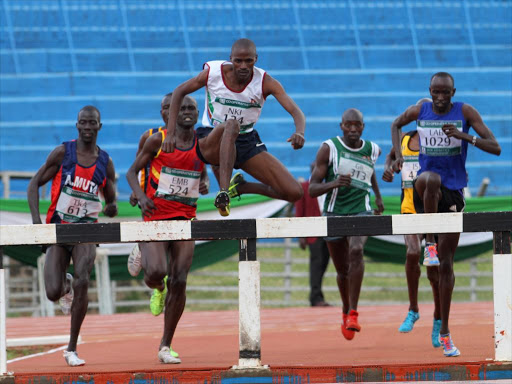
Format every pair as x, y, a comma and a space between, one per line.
299, 344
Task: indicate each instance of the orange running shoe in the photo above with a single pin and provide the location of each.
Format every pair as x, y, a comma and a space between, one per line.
351, 323
349, 335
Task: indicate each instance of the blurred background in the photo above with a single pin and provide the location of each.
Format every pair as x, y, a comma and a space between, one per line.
123, 55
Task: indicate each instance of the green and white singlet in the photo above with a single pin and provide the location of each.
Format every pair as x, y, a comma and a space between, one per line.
359, 163
222, 103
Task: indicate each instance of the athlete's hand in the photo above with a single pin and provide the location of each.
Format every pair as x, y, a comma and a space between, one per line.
380, 206
451, 130
388, 175
303, 243
110, 210
342, 181
169, 144
397, 164
147, 206
204, 187
133, 199
297, 140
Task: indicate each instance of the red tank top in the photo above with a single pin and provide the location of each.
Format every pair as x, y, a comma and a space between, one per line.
174, 182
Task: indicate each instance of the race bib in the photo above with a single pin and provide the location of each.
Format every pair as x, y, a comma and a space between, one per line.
410, 168
179, 185
360, 170
223, 109
433, 140
77, 206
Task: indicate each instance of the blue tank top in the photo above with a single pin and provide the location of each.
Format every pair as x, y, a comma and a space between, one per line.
439, 153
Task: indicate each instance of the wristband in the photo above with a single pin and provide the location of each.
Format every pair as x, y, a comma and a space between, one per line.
300, 134
474, 140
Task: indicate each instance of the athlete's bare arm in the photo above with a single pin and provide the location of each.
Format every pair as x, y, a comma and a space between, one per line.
204, 182
411, 114
178, 94
142, 140
109, 191
149, 150
378, 197
316, 186
47, 171
272, 87
487, 142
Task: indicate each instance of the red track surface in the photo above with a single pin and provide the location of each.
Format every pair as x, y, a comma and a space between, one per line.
292, 338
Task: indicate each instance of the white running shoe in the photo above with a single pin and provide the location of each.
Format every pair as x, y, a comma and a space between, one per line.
72, 359
67, 300
164, 355
135, 261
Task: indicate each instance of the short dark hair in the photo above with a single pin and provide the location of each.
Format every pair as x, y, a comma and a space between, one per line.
91, 108
169, 94
244, 43
442, 74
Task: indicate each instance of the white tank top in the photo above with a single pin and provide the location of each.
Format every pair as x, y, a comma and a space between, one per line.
221, 103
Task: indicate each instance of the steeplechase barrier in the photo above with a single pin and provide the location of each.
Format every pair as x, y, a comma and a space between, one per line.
249, 230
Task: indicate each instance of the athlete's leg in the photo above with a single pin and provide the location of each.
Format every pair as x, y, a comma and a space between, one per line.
412, 269
56, 263
428, 187
356, 271
447, 246
83, 261
338, 249
218, 148
181, 255
433, 277
277, 181
154, 263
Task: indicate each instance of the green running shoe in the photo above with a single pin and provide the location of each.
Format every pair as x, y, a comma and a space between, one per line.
157, 301
236, 180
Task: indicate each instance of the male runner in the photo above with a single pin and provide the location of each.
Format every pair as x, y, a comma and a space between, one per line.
443, 129
172, 193
344, 170
80, 170
235, 93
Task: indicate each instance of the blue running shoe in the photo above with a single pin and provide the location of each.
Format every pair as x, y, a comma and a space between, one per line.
409, 321
450, 350
436, 342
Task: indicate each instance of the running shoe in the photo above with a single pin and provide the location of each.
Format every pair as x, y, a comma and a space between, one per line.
351, 323
72, 359
347, 334
67, 300
135, 261
165, 356
157, 301
436, 327
222, 203
236, 180
430, 255
409, 321
450, 350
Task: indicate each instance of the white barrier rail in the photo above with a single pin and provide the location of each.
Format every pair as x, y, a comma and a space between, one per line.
248, 230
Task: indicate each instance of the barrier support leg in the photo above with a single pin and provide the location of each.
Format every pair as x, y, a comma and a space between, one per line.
3, 336
502, 265
249, 307
103, 282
